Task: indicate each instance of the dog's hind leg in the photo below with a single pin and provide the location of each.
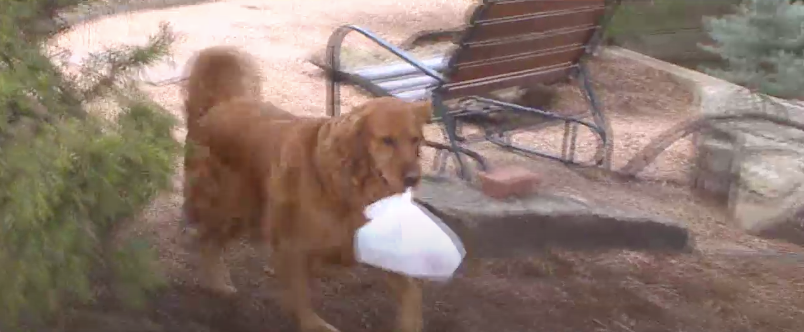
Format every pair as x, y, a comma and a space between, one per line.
260, 240
210, 240
214, 272
264, 248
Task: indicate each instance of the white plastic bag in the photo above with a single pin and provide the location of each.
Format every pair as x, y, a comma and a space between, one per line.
402, 238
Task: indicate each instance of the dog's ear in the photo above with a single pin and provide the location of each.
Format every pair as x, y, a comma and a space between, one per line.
344, 151
347, 137
423, 110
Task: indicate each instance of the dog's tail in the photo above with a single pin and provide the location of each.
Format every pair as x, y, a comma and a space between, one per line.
216, 75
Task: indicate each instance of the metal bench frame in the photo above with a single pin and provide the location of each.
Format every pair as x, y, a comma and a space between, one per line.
450, 117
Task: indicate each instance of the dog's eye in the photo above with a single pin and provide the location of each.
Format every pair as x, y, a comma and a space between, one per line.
388, 141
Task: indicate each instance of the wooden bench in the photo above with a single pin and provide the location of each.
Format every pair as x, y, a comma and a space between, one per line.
506, 43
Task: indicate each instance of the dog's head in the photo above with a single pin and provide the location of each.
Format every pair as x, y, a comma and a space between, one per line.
384, 140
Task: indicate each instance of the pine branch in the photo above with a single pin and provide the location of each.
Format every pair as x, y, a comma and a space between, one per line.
116, 64
762, 46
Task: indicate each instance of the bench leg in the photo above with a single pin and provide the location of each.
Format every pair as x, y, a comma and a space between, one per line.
569, 143
451, 128
598, 117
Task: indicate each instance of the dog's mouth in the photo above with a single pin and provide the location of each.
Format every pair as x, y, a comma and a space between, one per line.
382, 177
395, 184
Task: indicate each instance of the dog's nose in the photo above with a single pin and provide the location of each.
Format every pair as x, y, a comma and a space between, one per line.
411, 179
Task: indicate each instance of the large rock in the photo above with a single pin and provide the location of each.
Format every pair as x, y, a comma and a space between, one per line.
715, 164
767, 201
502, 228
767, 176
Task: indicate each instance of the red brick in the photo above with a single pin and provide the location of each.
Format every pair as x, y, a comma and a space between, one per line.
508, 181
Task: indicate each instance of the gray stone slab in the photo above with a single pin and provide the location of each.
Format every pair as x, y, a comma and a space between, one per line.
494, 228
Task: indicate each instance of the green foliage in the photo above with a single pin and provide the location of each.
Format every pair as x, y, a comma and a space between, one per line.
71, 178
640, 17
763, 45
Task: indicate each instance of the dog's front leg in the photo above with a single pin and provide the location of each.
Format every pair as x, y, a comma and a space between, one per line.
293, 269
264, 248
408, 294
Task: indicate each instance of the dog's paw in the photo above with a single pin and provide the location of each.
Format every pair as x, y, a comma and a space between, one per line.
226, 290
409, 327
318, 325
221, 289
325, 327
219, 285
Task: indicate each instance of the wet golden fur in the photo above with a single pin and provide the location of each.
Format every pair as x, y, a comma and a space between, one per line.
295, 184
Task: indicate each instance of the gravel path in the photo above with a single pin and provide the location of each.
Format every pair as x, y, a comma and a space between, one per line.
282, 34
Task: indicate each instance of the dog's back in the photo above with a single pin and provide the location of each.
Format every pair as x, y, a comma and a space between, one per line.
216, 197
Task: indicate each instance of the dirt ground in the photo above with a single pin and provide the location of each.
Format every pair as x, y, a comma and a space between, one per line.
732, 283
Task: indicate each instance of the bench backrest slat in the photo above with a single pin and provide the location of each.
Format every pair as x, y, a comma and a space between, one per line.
503, 66
507, 39
508, 9
526, 44
529, 24
480, 87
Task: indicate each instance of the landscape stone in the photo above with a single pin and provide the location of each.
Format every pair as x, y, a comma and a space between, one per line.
768, 176
500, 228
764, 189
713, 173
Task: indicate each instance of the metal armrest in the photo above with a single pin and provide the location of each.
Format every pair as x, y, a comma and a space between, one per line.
333, 61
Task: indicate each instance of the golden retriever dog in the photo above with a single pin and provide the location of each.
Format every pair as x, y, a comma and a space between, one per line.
298, 185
